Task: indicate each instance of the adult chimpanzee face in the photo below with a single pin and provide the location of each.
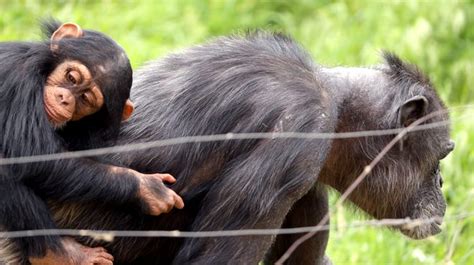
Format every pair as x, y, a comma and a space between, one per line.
416, 188
407, 182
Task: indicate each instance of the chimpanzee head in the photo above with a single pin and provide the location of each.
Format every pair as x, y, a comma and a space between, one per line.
86, 93
407, 181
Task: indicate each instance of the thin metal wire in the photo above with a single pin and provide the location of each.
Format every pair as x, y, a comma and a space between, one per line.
209, 138
109, 235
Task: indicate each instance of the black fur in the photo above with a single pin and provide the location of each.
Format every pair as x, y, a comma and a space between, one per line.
257, 83
26, 131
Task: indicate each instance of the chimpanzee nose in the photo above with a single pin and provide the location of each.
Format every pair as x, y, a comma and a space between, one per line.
64, 97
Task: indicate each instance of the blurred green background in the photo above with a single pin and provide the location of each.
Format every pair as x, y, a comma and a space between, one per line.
436, 35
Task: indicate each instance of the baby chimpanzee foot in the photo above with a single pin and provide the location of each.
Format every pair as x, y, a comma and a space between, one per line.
75, 254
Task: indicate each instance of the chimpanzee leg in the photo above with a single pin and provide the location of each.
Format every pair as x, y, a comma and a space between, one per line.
31, 213
308, 211
254, 192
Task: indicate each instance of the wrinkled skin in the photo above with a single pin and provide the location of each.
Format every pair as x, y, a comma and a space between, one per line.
71, 94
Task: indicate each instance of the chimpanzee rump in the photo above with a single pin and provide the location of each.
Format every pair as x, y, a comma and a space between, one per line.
265, 82
69, 92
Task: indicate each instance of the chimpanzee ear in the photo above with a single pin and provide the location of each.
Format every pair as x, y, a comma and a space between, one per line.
412, 110
66, 30
127, 110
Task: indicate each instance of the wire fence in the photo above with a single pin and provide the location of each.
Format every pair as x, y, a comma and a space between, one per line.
308, 231
110, 235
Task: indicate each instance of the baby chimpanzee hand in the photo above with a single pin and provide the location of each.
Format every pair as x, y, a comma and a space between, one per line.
157, 197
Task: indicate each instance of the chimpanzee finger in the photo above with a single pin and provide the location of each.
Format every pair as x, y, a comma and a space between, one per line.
102, 261
166, 178
106, 255
178, 201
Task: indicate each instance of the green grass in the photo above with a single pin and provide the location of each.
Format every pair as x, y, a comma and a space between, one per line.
436, 35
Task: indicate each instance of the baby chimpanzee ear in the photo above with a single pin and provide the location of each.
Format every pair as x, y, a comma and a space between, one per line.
127, 110
412, 110
66, 30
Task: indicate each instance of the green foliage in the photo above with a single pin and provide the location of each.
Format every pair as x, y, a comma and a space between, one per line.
437, 35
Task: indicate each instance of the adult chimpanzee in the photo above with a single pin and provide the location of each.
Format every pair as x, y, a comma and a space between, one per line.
266, 83
68, 92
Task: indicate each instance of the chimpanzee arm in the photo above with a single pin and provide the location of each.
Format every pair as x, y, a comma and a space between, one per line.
83, 180
22, 209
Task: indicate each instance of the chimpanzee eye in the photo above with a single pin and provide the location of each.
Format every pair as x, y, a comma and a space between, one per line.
73, 77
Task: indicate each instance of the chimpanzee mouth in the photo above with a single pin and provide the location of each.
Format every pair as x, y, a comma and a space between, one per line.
422, 228
56, 117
